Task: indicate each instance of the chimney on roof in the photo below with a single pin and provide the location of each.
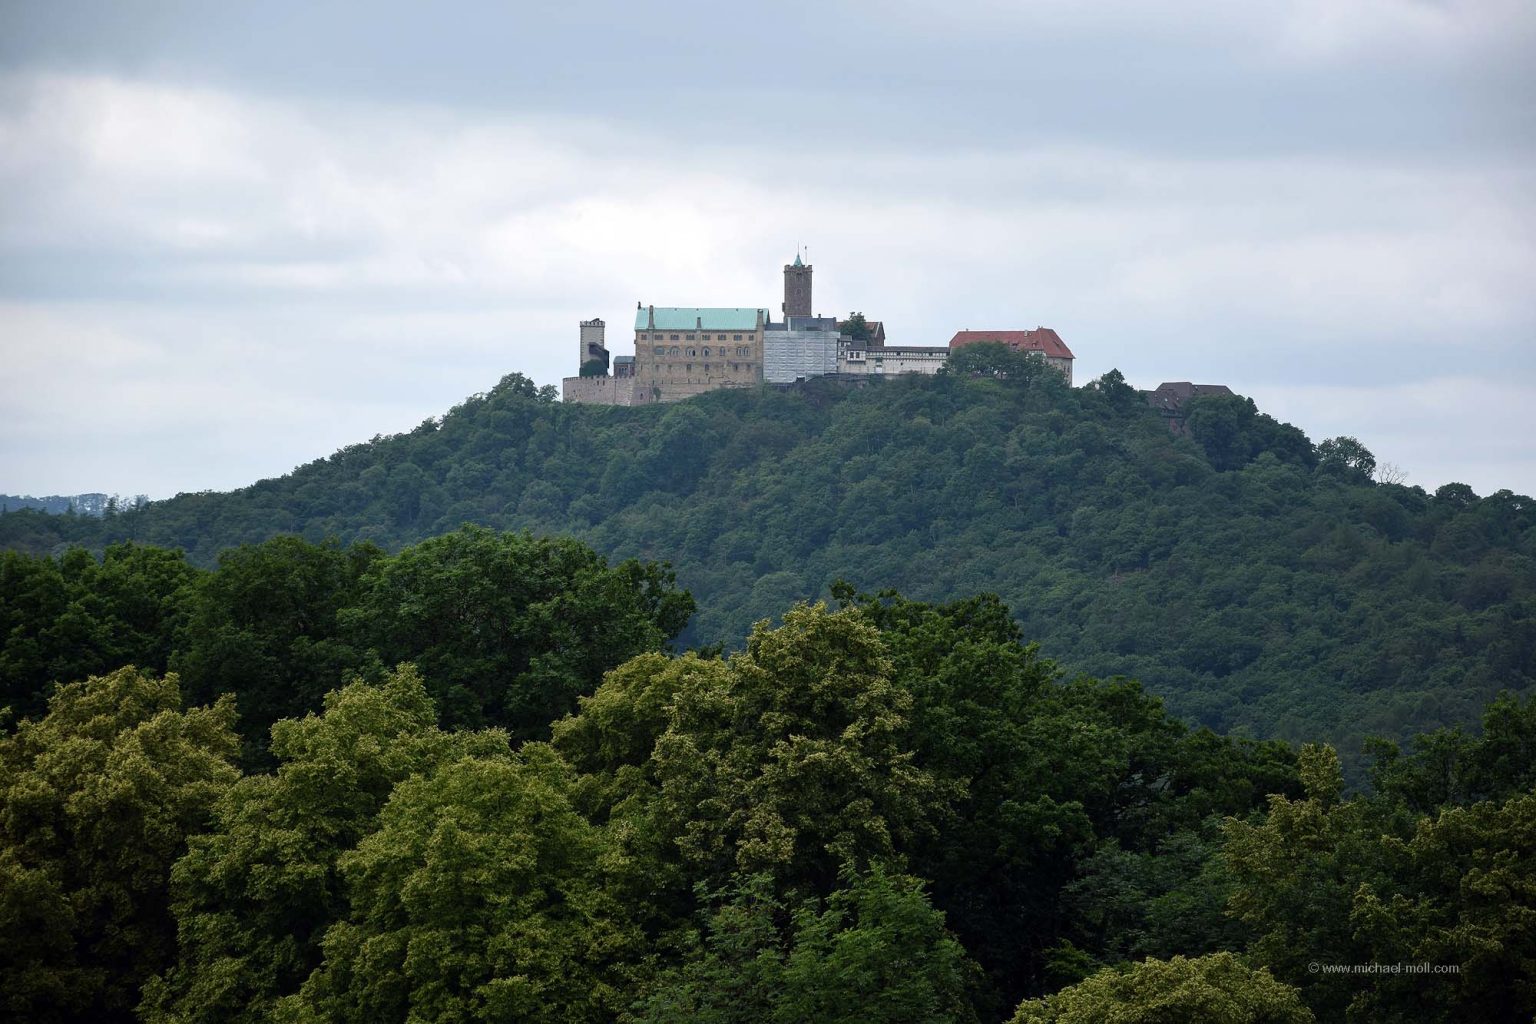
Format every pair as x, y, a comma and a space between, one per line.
651, 318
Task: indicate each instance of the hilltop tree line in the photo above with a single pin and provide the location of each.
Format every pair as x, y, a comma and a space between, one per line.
1263, 584
473, 781
92, 504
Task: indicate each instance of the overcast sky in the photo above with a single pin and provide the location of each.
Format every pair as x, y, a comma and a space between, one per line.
234, 238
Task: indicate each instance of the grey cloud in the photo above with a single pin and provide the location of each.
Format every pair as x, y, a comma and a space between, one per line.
234, 240
1198, 77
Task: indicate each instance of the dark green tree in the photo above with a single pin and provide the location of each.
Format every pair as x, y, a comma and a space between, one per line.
509, 629
64, 619
265, 626
97, 799
1347, 457
1449, 767
994, 359
1048, 770
1117, 393
873, 950
856, 327
1232, 432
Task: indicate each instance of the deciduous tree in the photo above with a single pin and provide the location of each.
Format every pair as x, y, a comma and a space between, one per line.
97, 799
874, 950
1215, 989
481, 897
508, 629
253, 896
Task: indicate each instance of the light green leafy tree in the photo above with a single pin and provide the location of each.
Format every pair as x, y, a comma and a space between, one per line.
1327, 880
97, 800
612, 742
790, 758
1295, 874
253, 896
1214, 989
1462, 895
481, 897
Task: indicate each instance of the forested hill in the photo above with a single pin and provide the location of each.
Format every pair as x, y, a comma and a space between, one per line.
1258, 582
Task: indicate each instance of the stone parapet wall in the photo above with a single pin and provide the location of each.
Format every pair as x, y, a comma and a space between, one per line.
598, 390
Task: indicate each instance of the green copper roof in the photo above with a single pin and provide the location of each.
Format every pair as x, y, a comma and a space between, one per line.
797, 260
688, 318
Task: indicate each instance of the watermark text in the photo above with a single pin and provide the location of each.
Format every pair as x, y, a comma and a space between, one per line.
1424, 967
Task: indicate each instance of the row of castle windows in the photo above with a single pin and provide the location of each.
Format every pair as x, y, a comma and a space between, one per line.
688, 367
673, 337
662, 350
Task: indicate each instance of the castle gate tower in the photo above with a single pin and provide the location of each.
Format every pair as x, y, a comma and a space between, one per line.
797, 288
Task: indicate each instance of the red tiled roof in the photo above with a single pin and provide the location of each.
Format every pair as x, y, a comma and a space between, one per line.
1042, 339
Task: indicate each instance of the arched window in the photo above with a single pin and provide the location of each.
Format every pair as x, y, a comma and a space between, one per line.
674, 350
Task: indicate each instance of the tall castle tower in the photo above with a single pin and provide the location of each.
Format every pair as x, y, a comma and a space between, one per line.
592, 343
797, 288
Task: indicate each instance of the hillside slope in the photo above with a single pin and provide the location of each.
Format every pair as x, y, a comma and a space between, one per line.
1256, 589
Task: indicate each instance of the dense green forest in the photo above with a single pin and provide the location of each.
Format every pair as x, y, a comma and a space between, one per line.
1261, 584
475, 780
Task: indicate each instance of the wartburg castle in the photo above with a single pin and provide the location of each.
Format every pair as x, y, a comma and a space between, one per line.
682, 351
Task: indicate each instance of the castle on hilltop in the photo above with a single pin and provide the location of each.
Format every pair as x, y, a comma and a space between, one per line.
682, 351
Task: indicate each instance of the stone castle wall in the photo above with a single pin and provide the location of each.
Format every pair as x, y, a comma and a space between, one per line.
678, 364
598, 390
